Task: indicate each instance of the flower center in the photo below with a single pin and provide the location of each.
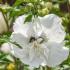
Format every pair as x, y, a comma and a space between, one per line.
38, 40
32, 39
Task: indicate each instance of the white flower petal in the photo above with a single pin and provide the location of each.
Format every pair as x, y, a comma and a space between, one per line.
38, 56
57, 54
53, 27
19, 39
19, 26
38, 29
28, 55
36, 62
20, 53
33, 28
17, 51
35, 57
48, 20
23, 55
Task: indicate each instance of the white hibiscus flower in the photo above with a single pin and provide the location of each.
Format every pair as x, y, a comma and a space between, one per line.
41, 41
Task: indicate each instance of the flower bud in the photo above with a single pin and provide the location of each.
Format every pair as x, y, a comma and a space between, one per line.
43, 12
3, 25
6, 48
49, 5
30, 4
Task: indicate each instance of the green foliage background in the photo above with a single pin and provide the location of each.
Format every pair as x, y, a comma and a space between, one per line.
11, 9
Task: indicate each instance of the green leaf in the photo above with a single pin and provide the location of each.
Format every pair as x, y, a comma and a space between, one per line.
28, 18
18, 12
18, 2
5, 37
2, 55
